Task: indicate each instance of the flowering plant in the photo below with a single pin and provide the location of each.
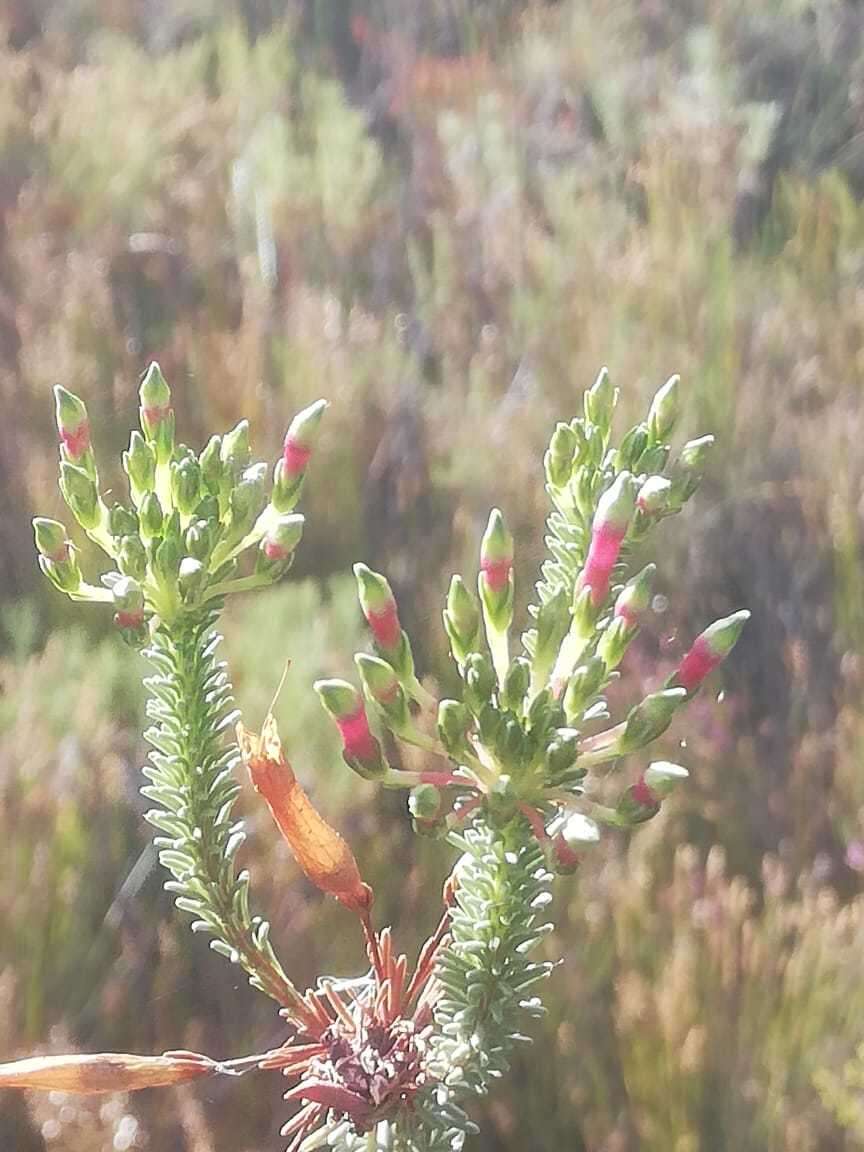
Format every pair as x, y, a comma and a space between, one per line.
513, 771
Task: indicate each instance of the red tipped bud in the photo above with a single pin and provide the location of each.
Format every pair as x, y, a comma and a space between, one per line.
611, 520
360, 748
73, 424
709, 650
300, 439
379, 608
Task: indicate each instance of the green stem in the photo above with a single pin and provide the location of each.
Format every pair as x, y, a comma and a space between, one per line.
194, 786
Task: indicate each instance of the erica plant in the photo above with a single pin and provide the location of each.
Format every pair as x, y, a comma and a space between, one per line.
510, 769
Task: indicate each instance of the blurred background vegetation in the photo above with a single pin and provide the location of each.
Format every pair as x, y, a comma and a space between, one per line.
445, 215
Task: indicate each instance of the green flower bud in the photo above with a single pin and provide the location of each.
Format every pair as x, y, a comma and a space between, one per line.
236, 452
583, 686
277, 547
634, 598
479, 681
664, 410
150, 517
51, 539
63, 574
650, 719
461, 620
166, 563
600, 402
516, 683
655, 496
191, 578
198, 540
553, 621
558, 461
139, 464
614, 642
425, 802
80, 493
454, 722
690, 467
132, 557
248, 499
210, 461
122, 521
509, 741
186, 484
561, 756
632, 448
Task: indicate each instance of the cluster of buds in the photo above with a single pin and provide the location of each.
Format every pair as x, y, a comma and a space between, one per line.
528, 733
179, 541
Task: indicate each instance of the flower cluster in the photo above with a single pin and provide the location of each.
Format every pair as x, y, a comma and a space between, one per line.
529, 731
511, 771
179, 540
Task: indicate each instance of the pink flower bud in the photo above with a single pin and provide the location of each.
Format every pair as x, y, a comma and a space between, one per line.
709, 651
300, 438
609, 528
345, 705
643, 795
379, 607
73, 424
496, 553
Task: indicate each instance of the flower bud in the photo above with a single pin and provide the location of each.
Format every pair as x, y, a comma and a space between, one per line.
296, 450
128, 602
80, 493
479, 681
690, 468
150, 517
614, 642
634, 598
662, 778
63, 574
663, 413
561, 755
382, 685
553, 621
650, 719
73, 424
198, 540
558, 461
210, 461
583, 686
516, 683
156, 413
425, 802
495, 581
454, 722
632, 448
361, 750
139, 464
636, 805
248, 499
379, 607
276, 550
190, 578
186, 484
709, 650
51, 539
235, 452
132, 557
122, 521
600, 401
580, 831
611, 520
461, 620
655, 496
166, 563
